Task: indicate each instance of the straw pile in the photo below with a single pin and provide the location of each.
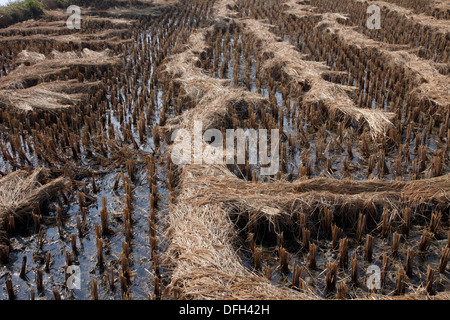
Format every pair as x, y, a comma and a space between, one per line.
27, 27
131, 12
52, 97
223, 10
111, 38
29, 57
399, 26
184, 68
299, 9
41, 82
433, 86
91, 19
412, 296
202, 239
131, 9
34, 69
21, 192
436, 8
110, 27
426, 81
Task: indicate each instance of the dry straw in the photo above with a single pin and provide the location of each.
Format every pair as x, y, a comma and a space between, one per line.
347, 199
41, 82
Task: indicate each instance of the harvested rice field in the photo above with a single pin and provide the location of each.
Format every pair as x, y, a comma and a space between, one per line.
224, 149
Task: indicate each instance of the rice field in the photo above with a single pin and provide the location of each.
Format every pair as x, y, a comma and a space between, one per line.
358, 207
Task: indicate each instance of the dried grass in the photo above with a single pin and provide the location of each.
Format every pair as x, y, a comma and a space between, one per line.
132, 12
90, 18
439, 25
56, 64
32, 86
429, 83
202, 235
299, 9
214, 98
223, 10
29, 57
52, 97
433, 86
420, 294
43, 26
111, 38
